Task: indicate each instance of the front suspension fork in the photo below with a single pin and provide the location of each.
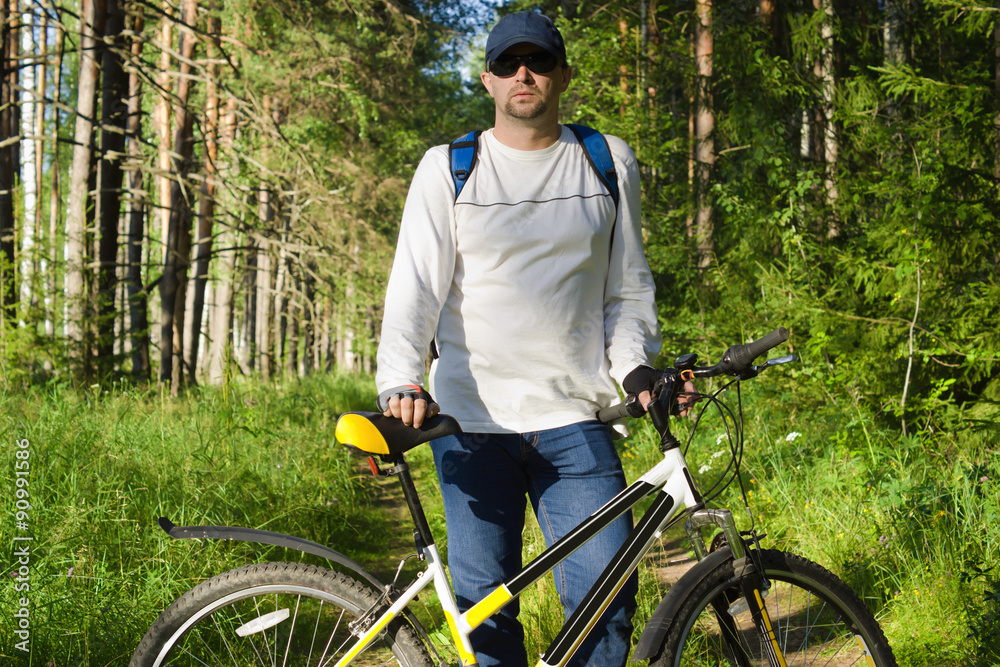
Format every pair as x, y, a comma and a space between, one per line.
754, 586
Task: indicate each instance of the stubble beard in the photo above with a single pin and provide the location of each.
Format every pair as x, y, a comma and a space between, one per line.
526, 112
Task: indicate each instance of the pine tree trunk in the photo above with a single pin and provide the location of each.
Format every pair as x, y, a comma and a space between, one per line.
9, 159
41, 77
162, 119
894, 32
221, 322
55, 198
827, 137
704, 135
158, 217
280, 308
326, 357
996, 97
114, 108
173, 285
263, 282
248, 350
294, 311
222, 349
138, 298
29, 159
309, 360
79, 216
206, 203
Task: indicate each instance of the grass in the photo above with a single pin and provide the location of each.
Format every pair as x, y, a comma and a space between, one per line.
104, 466
910, 523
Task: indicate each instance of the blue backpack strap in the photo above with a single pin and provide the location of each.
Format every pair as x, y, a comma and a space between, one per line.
595, 147
462, 154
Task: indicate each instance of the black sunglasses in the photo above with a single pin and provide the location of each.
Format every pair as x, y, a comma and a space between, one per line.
540, 62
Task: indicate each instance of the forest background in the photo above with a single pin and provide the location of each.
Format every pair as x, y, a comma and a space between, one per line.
207, 192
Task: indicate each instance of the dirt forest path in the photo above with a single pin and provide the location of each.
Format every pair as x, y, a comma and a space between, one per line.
671, 558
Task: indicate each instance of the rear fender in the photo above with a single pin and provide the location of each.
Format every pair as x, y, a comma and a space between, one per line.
290, 542
267, 537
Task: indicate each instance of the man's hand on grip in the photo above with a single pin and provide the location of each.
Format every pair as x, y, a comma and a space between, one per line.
410, 403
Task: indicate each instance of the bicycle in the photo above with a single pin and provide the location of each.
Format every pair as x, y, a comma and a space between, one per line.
738, 605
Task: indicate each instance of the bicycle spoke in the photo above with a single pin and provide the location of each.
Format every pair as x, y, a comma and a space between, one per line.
225, 641
279, 615
815, 619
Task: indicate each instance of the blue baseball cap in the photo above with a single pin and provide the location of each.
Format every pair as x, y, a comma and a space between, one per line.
520, 27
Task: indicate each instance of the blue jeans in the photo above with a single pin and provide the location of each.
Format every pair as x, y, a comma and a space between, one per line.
568, 473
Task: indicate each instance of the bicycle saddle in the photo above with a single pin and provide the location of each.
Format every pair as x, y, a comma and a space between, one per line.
374, 433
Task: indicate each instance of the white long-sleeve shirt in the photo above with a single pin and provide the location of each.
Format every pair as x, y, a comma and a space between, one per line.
536, 293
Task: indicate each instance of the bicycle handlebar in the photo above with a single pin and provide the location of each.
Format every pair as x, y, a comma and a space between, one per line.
739, 358
737, 361
629, 408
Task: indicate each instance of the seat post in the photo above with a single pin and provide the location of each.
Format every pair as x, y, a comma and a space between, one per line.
413, 502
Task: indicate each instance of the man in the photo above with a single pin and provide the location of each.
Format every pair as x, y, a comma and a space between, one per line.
533, 287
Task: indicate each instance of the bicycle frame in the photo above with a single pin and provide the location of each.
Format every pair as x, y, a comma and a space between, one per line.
669, 479
669, 484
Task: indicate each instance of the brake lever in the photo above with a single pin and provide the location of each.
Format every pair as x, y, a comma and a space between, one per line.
777, 361
754, 371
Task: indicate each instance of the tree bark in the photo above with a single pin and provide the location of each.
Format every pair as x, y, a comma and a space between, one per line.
894, 33
206, 202
221, 319
293, 309
79, 215
173, 284
30, 160
9, 159
138, 298
827, 136
55, 197
310, 347
248, 349
704, 134
263, 282
996, 97
114, 115
280, 304
162, 118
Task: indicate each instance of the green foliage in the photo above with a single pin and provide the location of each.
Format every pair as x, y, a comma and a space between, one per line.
105, 463
909, 523
882, 263
880, 258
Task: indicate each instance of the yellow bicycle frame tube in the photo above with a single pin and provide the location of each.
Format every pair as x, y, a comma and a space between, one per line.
434, 574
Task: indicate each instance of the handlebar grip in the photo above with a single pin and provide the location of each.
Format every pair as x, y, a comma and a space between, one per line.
741, 357
629, 408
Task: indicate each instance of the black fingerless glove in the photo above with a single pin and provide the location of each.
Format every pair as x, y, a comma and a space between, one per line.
403, 391
640, 379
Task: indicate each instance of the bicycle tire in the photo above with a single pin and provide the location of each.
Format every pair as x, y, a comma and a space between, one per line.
251, 614
818, 620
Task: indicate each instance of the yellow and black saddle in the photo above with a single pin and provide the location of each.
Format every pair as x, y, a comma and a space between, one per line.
387, 437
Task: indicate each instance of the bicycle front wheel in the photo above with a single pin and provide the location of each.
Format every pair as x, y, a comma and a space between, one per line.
274, 614
816, 618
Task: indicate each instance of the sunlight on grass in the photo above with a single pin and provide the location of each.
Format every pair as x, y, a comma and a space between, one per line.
105, 465
913, 525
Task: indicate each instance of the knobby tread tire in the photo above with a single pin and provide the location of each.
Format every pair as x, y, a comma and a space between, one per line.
337, 590
800, 588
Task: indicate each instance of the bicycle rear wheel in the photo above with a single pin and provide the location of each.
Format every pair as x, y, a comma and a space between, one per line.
817, 619
273, 614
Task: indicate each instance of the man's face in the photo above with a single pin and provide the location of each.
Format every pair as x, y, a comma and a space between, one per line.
527, 95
